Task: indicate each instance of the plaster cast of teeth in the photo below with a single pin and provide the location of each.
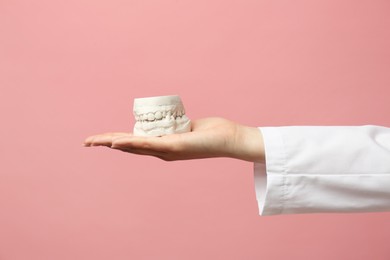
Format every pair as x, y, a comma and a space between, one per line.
158, 116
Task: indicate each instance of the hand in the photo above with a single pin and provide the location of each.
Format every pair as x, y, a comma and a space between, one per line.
209, 137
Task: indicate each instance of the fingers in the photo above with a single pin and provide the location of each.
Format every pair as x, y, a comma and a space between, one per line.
161, 147
128, 143
160, 155
150, 144
103, 139
154, 146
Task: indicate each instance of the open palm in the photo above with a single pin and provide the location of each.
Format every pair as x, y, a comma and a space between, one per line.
209, 137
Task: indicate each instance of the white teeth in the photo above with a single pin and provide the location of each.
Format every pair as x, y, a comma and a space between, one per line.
150, 117
158, 116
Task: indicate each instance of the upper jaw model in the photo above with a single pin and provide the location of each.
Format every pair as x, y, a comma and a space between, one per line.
158, 116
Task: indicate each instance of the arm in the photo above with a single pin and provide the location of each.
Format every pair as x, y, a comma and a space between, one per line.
298, 169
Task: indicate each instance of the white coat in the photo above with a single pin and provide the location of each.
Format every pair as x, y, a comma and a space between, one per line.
313, 169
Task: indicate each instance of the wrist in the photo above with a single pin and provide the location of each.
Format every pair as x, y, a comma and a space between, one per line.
250, 145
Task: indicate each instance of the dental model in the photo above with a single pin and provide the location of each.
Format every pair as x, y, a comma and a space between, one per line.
158, 116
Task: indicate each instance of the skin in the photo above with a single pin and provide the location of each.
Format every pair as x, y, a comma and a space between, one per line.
209, 138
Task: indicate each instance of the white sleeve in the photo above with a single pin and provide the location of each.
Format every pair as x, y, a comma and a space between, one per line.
313, 169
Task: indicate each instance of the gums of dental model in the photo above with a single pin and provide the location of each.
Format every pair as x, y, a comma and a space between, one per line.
158, 116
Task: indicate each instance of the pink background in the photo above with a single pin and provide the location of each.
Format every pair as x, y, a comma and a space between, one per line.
70, 69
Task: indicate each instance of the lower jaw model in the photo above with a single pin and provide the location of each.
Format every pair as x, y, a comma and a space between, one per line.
158, 116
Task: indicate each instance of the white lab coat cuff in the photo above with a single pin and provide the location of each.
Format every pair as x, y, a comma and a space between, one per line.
270, 183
